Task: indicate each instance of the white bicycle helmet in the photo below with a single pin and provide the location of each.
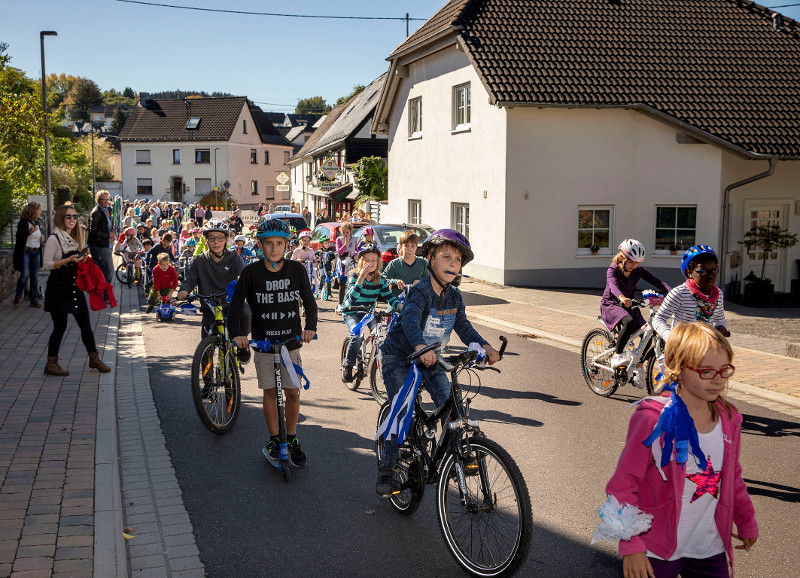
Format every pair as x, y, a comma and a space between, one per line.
633, 250
215, 225
305, 233
241, 238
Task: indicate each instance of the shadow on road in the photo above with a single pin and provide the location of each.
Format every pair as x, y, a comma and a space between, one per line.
763, 426
497, 393
473, 299
770, 490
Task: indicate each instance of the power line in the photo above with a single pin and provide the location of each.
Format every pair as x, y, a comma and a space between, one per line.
248, 13
783, 6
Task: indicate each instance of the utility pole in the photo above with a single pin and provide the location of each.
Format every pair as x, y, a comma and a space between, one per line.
94, 180
406, 24
49, 219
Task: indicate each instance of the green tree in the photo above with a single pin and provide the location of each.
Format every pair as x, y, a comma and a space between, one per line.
82, 97
313, 104
768, 239
372, 179
114, 97
118, 122
356, 89
128, 93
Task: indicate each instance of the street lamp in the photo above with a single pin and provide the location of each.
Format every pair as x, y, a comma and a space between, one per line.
94, 178
42, 34
215, 176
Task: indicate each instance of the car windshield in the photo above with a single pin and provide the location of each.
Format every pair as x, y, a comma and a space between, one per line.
298, 223
391, 235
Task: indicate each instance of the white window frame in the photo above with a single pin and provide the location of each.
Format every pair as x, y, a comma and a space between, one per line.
462, 107
674, 228
176, 158
143, 157
586, 251
254, 187
415, 118
459, 218
144, 183
414, 216
196, 156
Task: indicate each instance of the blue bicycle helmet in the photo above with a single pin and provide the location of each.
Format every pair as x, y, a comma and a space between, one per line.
273, 228
368, 248
695, 252
191, 243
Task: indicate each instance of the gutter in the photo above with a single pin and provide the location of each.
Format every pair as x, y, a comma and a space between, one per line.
726, 195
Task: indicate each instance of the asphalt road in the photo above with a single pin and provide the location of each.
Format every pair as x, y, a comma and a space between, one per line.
328, 521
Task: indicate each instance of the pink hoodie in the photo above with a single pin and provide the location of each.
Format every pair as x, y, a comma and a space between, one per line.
638, 482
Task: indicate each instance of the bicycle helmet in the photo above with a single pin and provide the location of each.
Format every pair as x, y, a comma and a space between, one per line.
241, 238
191, 243
305, 233
197, 230
273, 228
695, 252
368, 248
449, 236
215, 225
633, 250
143, 225
130, 231
369, 231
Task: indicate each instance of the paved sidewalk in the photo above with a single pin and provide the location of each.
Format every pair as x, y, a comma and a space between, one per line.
565, 316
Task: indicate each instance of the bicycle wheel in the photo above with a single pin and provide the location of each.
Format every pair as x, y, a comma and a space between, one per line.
408, 472
215, 385
491, 534
376, 381
601, 381
129, 274
352, 386
122, 273
651, 371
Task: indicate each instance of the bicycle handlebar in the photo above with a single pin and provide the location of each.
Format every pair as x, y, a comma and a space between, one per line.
260, 345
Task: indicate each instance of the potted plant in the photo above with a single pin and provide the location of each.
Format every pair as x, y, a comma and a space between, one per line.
674, 248
594, 249
765, 239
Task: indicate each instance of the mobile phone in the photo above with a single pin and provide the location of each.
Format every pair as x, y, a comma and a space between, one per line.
83, 252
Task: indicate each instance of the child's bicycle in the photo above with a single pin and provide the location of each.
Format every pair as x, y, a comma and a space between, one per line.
482, 500
368, 360
598, 348
313, 279
216, 390
275, 347
131, 269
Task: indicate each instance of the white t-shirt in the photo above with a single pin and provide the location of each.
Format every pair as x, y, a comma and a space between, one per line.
698, 536
34, 240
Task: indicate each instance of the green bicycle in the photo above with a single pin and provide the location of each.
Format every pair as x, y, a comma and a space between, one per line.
216, 390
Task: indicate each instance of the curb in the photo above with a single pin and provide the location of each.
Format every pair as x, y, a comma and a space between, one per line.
110, 557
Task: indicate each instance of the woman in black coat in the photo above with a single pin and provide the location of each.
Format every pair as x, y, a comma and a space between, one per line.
28, 253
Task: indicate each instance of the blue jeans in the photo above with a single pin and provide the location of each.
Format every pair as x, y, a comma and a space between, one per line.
351, 320
395, 371
104, 259
30, 270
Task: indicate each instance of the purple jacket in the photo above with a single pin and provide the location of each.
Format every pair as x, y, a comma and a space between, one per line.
611, 311
638, 482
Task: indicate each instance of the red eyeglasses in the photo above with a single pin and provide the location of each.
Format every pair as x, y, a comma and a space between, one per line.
709, 373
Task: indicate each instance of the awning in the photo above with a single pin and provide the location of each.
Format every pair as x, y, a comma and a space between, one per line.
341, 193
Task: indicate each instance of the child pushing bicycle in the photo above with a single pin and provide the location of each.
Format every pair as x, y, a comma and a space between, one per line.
273, 287
433, 309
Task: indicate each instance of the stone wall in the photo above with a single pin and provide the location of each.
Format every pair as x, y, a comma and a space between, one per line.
8, 277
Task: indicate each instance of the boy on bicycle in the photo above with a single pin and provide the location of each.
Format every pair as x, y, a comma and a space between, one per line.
407, 269
433, 309
274, 288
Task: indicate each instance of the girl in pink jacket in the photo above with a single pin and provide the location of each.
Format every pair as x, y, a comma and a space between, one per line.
678, 487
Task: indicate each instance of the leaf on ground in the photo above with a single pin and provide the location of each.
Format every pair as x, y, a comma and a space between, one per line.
127, 536
370, 512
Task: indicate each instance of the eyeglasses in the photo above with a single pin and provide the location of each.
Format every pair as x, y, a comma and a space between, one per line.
105, 198
216, 239
73, 216
706, 272
709, 373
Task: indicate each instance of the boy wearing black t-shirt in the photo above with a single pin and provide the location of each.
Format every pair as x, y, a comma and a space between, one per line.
274, 287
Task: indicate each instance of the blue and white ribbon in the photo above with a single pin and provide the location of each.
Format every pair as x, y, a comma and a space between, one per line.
679, 432
359, 327
295, 371
229, 290
398, 421
481, 352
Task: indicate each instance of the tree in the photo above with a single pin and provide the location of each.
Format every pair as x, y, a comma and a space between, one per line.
84, 95
128, 93
119, 121
767, 239
114, 97
314, 104
356, 89
372, 178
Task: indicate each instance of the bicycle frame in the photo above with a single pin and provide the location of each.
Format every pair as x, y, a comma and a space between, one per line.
219, 327
648, 343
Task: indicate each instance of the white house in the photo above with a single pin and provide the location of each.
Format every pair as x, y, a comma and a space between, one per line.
182, 149
542, 129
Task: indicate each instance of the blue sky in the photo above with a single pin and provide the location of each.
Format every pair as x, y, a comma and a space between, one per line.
268, 59
274, 61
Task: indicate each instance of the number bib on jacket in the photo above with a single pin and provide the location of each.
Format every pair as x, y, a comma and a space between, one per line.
439, 326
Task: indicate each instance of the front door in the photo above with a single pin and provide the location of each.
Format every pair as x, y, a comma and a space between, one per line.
177, 189
757, 214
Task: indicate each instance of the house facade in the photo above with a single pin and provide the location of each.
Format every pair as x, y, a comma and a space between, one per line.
547, 152
182, 150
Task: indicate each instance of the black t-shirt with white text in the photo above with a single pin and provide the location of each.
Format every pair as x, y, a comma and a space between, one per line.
274, 299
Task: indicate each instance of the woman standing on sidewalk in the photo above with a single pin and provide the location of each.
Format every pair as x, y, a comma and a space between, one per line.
28, 252
63, 251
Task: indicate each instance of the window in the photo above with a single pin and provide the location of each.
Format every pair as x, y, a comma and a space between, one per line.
461, 106
143, 157
202, 156
460, 218
144, 186
253, 187
414, 212
594, 229
321, 233
202, 187
286, 156
244, 126
415, 117
192, 123
266, 157
253, 157
675, 228
270, 191
176, 156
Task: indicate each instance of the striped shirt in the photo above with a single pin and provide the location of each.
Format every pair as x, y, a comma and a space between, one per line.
367, 294
680, 305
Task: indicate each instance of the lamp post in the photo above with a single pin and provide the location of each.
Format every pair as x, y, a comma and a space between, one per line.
49, 218
216, 186
94, 178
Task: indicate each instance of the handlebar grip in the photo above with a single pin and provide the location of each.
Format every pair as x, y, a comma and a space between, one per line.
417, 354
504, 342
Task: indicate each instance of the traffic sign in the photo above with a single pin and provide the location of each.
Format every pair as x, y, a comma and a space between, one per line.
282, 188
283, 178
329, 168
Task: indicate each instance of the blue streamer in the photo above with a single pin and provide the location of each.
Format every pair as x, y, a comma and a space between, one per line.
678, 428
229, 290
360, 325
398, 421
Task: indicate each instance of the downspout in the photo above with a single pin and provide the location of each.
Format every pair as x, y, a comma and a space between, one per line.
726, 195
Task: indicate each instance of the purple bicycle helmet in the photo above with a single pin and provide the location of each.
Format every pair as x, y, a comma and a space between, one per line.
368, 248
442, 236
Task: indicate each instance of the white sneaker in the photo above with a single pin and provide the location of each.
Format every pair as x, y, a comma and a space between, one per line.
619, 360
638, 378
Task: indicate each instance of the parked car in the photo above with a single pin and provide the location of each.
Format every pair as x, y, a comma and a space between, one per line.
388, 236
281, 209
295, 220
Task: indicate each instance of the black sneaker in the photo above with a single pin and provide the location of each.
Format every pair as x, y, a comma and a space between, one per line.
386, 486
296, 455
347, 373
273, 452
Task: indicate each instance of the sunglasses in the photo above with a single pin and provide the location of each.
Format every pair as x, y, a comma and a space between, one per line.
706, 272
709, 374
73, 216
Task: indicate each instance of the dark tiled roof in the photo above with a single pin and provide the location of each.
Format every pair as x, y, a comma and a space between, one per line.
269, 134
165, 119
309, 118
437, 23
311, 143
276, 117
717, 65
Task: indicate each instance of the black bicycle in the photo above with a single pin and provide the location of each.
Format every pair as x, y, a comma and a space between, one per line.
482, 500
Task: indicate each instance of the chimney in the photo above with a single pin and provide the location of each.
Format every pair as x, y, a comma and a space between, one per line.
144, 99
777, 20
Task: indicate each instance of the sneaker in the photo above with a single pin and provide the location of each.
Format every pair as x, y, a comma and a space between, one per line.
638, 378
273, 452
619, 360
347, 373
386, 486
296, 455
